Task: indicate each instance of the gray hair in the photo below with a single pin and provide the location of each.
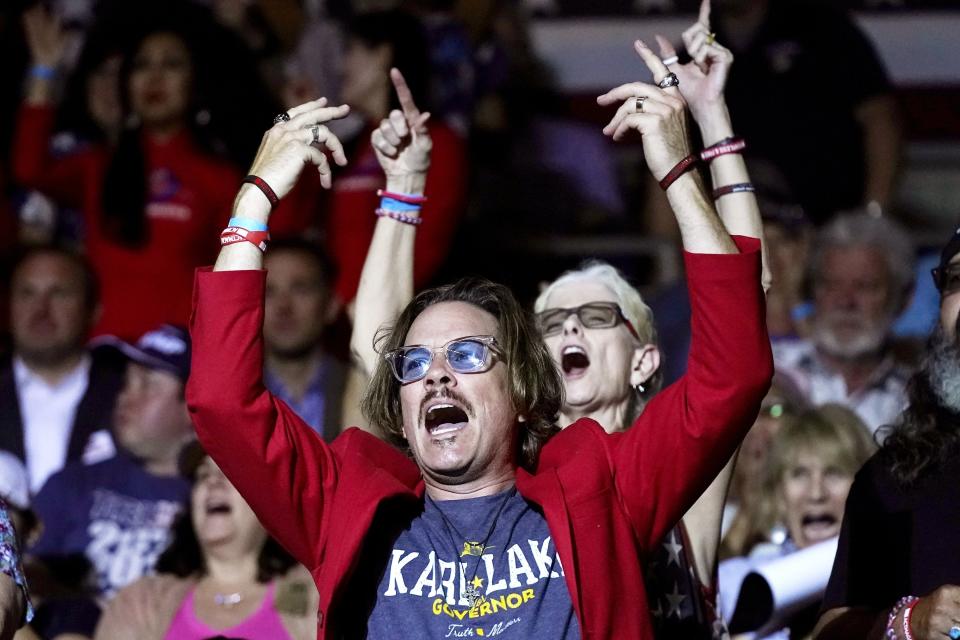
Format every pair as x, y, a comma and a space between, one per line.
631, 304
850, 230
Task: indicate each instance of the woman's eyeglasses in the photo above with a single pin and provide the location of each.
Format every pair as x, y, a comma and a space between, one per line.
472, 354
593, 315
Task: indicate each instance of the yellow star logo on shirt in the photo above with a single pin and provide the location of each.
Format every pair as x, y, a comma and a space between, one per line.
477, 582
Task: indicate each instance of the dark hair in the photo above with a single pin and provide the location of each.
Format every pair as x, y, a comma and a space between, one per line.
312, 250
125, 189
88, 277
183, 557
926, 436
535, 386
407, 40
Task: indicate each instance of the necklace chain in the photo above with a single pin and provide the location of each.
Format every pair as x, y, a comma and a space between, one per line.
227, 599
472, 593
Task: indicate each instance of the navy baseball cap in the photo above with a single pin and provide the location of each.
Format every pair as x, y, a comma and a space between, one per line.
166, 348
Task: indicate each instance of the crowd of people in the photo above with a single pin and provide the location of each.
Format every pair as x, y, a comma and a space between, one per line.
760, 449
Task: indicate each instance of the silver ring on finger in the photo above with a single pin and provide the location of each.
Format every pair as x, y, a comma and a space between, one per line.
669, 80
281, 117
638, 104
671, 60
315, 130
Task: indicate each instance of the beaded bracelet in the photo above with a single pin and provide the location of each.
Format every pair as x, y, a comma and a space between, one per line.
725, 146
891, 631
399, 217
678, 170
739, 187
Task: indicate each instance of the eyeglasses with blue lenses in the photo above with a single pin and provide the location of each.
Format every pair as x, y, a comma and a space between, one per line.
472, 354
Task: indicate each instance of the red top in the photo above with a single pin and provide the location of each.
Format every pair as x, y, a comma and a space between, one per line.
607, 498
353, 199
190, 195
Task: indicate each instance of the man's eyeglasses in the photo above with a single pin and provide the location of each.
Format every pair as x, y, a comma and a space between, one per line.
472, 354
593, 315
947, 280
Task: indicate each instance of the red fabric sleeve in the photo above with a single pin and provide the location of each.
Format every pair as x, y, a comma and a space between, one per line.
689, 430
34, 166
277, 462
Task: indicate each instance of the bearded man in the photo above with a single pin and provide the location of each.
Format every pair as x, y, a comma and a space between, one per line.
861, 272
897, 564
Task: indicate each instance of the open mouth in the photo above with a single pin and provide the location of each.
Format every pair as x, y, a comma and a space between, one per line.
574, 361
819, 525
445, 418
217, 507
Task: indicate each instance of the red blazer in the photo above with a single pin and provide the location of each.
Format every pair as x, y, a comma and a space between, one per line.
607, 498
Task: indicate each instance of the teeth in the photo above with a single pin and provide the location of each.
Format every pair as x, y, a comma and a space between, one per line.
574, 349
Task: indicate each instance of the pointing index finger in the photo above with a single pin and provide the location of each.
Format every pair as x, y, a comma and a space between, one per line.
653, 62
409, 108
704, 17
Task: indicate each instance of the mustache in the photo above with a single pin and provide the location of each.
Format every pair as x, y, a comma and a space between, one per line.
448, 394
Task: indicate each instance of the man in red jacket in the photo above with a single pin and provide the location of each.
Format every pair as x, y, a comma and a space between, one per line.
487, 522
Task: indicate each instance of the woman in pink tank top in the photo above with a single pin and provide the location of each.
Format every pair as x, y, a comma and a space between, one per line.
221, 576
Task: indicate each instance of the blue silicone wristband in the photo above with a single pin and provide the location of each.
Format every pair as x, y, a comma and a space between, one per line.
249, 225
396, 205
43, 72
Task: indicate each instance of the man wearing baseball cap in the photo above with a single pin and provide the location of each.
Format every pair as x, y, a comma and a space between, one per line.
117, 513
897, 568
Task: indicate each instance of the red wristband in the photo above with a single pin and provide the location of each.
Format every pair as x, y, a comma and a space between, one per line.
407, 198
725, 146
681, 168
261, 184
907, 613
233, 235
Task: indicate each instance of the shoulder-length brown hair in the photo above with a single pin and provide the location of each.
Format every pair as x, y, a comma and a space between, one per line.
535, 386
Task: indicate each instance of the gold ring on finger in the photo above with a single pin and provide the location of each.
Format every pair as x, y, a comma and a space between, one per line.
711, 37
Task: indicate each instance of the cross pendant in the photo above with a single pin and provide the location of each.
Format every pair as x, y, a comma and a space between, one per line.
472, 594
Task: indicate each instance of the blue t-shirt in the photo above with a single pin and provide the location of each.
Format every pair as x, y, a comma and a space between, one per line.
423, 592
114, 513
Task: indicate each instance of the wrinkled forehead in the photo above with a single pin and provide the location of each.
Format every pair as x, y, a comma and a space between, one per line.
579, 291
445, 321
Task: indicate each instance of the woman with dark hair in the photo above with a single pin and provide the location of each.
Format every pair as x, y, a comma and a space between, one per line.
377, 42
222, 575
151, 202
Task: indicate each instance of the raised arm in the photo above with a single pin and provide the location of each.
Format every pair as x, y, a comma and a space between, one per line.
702, 83
689, 431
279, 464
33, 164
403, 146
658, 113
